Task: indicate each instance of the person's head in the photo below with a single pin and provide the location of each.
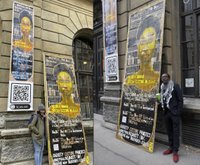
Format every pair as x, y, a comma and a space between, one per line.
165, 78
147, 36
41, 110
64, 79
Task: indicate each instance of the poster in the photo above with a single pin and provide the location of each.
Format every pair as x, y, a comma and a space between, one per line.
110, 40
22, 46
138, 111
66, 137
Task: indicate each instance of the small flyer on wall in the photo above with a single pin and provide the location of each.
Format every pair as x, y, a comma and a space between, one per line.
21, 64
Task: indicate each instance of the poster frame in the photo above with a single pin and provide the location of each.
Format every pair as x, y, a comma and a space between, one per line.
152, 138
48, 108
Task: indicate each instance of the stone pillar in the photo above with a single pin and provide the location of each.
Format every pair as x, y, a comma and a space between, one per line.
111, 102
112, 91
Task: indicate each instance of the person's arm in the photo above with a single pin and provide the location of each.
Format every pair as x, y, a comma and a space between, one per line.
32, 126
179, 96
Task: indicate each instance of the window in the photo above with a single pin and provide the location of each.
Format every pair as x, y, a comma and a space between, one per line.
190, 43
97, 12
187, 5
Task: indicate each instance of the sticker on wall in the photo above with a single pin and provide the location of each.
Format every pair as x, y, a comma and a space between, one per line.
189, 82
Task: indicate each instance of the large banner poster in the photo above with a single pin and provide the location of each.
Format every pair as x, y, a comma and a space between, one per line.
20, 97
138, 110
66, 137
110, 40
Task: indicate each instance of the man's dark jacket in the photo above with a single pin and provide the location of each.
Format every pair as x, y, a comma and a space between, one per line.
176, 102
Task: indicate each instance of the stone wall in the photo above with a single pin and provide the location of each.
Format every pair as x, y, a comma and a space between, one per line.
56, 24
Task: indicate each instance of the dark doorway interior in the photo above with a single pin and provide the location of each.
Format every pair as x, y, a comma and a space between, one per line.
98, 57
83, 57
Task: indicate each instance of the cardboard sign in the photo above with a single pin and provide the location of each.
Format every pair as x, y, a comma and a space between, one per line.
137, 116
66, 137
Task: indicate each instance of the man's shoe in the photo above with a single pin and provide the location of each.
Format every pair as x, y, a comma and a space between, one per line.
175, 157
167, 152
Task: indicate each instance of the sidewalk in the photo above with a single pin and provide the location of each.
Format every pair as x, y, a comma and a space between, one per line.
110, 151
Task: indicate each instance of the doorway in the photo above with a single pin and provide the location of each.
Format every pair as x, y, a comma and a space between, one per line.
83, 57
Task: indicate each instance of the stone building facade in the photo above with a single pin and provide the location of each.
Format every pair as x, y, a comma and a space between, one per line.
57, 23
180, 17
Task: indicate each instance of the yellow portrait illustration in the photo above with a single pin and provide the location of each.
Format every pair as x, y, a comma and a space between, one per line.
24, 42
64, 120
65, 82
146, 78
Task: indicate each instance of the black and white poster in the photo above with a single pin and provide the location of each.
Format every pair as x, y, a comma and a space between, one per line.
138, 111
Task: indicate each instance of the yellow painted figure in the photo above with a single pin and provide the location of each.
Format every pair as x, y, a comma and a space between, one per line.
67, 106
109, 10
24, 43
146, 78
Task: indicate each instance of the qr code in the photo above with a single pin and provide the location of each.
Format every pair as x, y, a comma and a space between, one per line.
21, 93
112, 65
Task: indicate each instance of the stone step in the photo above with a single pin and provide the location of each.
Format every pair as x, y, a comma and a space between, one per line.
29, 162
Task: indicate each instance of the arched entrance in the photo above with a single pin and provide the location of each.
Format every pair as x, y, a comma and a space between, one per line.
83, 57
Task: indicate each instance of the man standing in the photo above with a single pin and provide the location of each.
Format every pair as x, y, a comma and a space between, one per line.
172, 103
37, 128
